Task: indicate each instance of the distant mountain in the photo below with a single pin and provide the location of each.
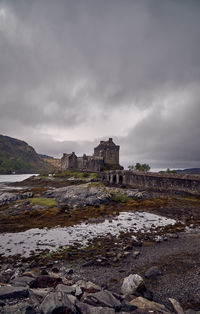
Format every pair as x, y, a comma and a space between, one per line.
189, 171
17, 156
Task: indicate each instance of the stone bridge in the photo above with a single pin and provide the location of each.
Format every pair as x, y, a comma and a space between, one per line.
153, 181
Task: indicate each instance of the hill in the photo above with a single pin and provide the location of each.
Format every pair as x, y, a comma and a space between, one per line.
189, 171
17, 156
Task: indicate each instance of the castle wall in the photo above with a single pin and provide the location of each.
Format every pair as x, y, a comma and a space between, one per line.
153, 181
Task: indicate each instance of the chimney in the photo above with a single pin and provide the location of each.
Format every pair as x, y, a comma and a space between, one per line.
110, 139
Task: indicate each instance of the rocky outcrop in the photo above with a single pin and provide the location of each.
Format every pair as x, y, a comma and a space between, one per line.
7, 198
89, 194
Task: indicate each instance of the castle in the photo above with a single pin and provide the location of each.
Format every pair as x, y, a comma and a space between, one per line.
106, 155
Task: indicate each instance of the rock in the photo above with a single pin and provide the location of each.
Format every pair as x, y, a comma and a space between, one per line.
2, 303
78, 292
58, 301
153, 272
176, 305
190, 311
44, 272
88, 309
147, 294
158, 239
87, 286
127, 306
89, 263
23, 281
44, 282
131, 284
37, 295
146, 305
136, 254
7, 198
80, 195
88, 194
21, 308
7, 292
103, 298
66, 289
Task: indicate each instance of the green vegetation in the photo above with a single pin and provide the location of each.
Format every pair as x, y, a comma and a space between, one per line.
43, 201
139, 167
77, 174
14, 165
169, 171
123, 198
96, 184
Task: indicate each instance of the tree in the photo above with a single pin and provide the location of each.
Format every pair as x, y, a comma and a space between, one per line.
139, 167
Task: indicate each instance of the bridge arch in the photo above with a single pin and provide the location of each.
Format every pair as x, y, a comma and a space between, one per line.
114, 179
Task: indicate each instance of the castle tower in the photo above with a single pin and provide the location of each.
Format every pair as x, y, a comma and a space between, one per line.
109, 151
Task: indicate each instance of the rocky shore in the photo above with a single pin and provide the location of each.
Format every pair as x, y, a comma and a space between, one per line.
58, 289
143, 271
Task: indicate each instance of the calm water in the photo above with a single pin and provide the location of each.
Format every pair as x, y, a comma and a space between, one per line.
14, 177
40, 239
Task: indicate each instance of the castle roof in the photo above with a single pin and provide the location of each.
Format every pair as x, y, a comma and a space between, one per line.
105, 144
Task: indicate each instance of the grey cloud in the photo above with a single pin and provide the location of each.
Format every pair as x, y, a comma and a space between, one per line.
64, 62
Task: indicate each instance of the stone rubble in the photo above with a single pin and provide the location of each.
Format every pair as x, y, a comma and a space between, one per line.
29, 292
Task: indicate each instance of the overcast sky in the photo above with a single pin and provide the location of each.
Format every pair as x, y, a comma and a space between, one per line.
73, 72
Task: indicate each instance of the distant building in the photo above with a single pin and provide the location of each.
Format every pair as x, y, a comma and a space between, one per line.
106, 155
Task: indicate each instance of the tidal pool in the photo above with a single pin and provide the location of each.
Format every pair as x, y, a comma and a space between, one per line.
33, 239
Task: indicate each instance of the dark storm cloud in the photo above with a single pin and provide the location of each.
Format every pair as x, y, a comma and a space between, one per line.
68, 66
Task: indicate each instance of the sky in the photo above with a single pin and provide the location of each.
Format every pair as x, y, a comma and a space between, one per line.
74, 72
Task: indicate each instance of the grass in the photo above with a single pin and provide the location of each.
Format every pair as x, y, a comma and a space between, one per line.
43, 201
96, 184
123, 198
77, 174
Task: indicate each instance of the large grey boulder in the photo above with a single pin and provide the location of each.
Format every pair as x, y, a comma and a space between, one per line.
23, 281
131, 284
58, 301
66, 289
8, 292
103, 298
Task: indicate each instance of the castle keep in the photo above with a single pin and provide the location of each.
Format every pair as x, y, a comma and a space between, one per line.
106, 154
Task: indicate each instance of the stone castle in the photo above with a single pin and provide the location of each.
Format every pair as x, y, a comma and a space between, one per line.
106, 156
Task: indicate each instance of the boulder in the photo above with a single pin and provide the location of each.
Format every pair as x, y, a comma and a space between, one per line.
103, 298
23, 281
45, 281
87, 286
8, 292
38, 295
153, 272
58, 302
146, 305
66, 289
131, 284
88, 309
176, 305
